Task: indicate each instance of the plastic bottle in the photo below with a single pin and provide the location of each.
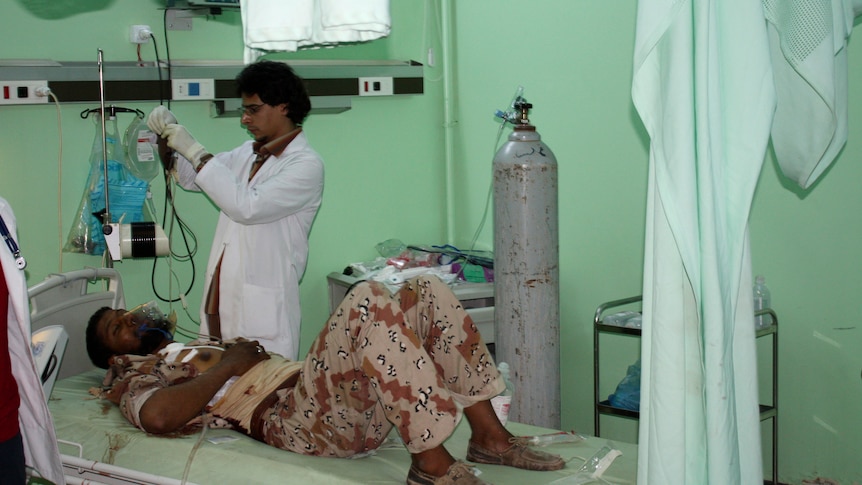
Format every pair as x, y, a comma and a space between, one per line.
503, 401
762, 300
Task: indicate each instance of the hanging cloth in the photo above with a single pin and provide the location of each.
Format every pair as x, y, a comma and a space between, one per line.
287, 25
702, 85
808, 45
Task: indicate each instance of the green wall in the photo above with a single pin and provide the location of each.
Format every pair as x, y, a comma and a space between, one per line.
386, 177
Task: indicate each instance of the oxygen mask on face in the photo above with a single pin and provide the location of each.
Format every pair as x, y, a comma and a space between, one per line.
149, 318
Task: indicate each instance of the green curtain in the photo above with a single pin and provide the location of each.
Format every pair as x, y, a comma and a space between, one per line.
703, 88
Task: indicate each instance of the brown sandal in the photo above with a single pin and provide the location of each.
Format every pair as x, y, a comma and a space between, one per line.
518, 455
459, 473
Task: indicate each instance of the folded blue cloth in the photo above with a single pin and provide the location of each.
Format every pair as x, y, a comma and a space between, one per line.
628, 392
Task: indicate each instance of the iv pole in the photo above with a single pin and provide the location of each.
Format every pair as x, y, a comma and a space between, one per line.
106, 220
138, 239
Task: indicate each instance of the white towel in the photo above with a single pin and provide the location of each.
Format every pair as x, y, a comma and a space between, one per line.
272, 25
808, 44
352, 21
287, 25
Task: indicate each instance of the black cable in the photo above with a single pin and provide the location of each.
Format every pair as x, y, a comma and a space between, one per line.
191, 248
158, 69
185, 230
167, 50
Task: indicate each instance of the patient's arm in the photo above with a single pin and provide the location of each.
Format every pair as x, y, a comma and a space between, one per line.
169, 408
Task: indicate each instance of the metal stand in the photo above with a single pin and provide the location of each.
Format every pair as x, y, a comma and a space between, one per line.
603, 407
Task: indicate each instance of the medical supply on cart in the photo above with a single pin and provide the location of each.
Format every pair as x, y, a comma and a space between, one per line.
762, 301
624, 319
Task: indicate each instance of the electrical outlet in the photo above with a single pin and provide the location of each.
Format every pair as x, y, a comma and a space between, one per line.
22, 92
140, 34
375, 86
183, 89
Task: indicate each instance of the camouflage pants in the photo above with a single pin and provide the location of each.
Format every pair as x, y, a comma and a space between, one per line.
384, 360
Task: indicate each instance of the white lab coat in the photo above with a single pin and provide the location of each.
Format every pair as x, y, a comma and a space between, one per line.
37, 426
263, 234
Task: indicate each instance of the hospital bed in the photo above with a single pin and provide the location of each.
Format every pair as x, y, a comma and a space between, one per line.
99, 446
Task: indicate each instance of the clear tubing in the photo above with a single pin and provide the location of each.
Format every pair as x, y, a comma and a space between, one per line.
556, 438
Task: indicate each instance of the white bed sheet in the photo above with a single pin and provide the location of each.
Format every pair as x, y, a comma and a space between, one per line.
106, 437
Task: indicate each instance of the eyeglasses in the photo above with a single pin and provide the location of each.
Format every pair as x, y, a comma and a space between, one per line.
250, 109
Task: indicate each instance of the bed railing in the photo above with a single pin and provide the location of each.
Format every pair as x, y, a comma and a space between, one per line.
69, 299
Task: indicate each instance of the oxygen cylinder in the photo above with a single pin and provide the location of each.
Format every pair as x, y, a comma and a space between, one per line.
526, 272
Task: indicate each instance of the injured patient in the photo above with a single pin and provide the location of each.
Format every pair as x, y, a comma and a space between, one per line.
409, 360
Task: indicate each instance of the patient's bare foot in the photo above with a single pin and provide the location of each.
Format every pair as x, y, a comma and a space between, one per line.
487, 431
435, 462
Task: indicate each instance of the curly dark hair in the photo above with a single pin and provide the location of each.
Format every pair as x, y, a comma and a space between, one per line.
275, 83
96, 349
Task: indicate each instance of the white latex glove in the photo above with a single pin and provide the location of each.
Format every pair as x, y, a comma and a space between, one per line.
159, 118
182, 141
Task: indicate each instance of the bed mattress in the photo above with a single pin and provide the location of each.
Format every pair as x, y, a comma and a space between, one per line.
103, 437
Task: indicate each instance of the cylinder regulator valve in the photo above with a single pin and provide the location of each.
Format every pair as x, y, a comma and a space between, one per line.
523, 108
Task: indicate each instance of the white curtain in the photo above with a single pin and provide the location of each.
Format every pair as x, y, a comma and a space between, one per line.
703, 88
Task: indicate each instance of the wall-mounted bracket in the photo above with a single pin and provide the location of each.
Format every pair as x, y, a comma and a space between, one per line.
330, 83
177, 19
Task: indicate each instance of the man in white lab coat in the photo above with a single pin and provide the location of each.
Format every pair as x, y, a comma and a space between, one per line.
269, 191
26, 427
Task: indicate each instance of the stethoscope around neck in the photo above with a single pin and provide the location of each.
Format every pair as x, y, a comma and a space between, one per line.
20, 262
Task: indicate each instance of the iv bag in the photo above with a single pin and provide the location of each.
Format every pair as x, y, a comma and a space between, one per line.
140, 150
127, 194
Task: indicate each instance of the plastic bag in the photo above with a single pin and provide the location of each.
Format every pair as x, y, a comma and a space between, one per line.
624, 319
127, 194
141, 151
628, 392
593, 468
390, 248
